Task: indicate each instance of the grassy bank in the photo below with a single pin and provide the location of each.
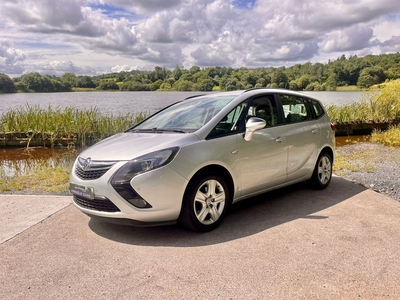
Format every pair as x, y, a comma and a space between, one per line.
52, 176
51, 124
36, 176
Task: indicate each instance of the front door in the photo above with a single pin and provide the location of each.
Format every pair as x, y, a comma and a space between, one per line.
263, 159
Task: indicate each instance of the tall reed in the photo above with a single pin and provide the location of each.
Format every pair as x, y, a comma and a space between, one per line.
375, 106
83, 126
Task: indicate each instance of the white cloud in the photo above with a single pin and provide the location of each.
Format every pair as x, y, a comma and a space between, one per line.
10, 58
126, 68
104, 35
354, 38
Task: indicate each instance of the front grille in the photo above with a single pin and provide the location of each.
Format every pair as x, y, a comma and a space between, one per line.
96, 204
89, 174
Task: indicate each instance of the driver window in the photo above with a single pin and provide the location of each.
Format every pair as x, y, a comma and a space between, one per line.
230, 123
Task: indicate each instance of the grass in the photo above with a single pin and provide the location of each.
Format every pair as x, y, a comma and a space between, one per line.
389, 138
376, 106
44, 180
37, 176
85, 127
347, 88
353, 162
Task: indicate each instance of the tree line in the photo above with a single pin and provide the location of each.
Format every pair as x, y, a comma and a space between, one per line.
362, 72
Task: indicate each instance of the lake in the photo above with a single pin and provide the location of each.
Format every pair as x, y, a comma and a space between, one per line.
133, 102
13, 161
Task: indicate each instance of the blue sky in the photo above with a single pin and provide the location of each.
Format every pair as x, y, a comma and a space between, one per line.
90, 37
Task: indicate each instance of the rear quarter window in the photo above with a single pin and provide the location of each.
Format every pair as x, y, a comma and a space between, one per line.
318, 109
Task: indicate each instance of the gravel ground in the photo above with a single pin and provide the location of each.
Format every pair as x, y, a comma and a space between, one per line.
372, 165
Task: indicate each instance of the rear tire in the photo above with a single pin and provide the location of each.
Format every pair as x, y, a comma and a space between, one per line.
322, 174
205, 203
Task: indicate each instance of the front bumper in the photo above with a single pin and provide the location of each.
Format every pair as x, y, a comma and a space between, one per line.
162, 188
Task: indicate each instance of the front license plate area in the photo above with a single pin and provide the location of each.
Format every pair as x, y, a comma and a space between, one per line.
82, 191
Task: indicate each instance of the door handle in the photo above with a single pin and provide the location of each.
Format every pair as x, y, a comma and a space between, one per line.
316, 130
280, 139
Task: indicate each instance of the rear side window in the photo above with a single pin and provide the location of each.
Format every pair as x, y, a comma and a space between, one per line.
318, 109
295, 109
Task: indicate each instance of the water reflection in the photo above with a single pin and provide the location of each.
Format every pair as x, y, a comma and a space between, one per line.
351, 140
14, 162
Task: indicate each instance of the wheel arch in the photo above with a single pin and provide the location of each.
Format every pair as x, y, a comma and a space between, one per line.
214, 169
328, 150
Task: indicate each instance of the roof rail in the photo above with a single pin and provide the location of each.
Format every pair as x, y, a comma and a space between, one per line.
194, 96
264, 88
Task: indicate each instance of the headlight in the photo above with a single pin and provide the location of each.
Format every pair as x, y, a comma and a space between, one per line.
143, 164
121, 179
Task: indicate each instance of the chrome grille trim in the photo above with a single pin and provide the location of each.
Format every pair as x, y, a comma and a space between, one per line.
89, 175
86, 169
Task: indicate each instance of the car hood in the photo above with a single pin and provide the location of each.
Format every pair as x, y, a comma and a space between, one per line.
128, 145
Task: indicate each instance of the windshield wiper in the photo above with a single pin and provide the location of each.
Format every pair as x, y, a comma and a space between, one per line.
157, 130
141, 130
169, 130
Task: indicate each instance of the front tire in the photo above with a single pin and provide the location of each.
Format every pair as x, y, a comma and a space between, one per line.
205, 203
322, 174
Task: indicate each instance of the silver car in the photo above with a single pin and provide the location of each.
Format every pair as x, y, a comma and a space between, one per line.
190, 161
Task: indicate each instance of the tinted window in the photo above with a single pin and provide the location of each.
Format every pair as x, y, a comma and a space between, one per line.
295, 109
318, 109
264, 107
230, 123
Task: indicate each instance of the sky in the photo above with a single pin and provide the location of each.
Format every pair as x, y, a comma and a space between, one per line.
92, 37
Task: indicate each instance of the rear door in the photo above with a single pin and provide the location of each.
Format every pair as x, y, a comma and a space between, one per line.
302, 133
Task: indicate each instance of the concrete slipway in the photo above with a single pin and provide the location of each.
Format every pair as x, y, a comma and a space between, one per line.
295, 243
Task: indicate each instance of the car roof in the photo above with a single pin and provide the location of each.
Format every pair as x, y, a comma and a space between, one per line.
257, 91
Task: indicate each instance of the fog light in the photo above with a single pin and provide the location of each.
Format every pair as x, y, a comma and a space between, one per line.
130, 195
141, 203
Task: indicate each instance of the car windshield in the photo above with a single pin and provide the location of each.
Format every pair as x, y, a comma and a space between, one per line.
186, 116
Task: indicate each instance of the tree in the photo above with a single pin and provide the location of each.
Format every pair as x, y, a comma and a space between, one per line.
205, 85
85, 82
261, 82
249, 78
365, 80
33, 81
108, 85
6, 84
194, 69
156, 85
69, 78
183, 85
177, 73
21, 87
331, 82
47, 84
370, 76
280, 79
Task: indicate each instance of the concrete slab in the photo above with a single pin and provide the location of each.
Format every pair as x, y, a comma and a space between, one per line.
20, 212
295, 243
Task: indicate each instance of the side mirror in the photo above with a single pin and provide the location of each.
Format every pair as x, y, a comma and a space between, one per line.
252, 125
